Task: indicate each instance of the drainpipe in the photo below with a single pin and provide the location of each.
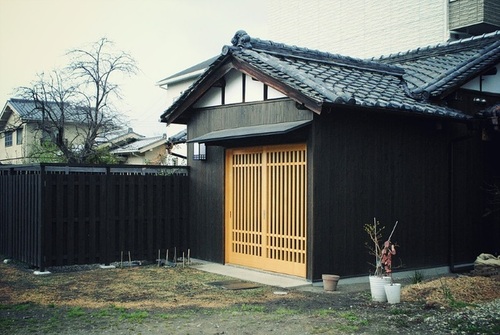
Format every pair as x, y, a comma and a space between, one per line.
451, 199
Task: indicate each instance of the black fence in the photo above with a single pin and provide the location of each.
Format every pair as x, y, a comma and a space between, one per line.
53, 215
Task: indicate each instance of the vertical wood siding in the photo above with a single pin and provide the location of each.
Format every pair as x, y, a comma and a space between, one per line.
20, 220
392, 168
52, 219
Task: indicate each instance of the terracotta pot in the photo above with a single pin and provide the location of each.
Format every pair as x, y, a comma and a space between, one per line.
330, 282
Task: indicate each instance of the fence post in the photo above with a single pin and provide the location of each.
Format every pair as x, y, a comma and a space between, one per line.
41, 219
108, 248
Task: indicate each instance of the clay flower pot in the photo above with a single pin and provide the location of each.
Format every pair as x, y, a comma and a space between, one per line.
330, 282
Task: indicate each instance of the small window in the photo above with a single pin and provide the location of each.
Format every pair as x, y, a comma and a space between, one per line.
8, 139
19, 136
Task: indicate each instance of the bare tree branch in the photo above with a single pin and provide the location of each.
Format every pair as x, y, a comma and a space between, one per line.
79, 100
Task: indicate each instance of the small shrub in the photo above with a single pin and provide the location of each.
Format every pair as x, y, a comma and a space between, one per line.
417, 277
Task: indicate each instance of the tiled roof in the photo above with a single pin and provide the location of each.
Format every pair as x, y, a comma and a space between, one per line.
180, 137
29, 111
139, 145
435, 70
398, 83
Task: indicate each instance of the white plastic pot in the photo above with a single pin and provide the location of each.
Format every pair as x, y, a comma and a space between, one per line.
377, 287
393, 293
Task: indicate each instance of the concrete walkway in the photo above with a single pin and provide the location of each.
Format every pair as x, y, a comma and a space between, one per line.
255, 276
287, 282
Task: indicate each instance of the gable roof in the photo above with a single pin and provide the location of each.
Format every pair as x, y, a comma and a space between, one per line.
117, 138
140, 146
29, 111
319, 79
433, 71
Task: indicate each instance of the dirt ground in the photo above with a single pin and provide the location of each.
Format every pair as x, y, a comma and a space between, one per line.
166, 300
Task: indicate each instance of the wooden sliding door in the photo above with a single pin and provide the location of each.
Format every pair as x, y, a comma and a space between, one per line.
266, 201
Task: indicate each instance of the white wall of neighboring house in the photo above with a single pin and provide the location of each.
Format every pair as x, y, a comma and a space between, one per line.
358, 28
19, 151
174, 90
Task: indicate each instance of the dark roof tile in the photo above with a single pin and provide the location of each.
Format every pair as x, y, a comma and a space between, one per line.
401, 82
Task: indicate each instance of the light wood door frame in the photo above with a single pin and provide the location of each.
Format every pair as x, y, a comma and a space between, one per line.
265, 208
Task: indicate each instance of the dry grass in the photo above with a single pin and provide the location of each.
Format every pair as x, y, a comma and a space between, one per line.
446, 290
137, 288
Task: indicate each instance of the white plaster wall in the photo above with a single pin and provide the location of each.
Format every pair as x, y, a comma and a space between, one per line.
274, 94
234, 93
212, 97
490, 83
254, 90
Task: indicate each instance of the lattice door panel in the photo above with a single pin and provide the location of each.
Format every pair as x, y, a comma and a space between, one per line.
266, 208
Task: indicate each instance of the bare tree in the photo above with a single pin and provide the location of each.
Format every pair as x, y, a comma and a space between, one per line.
78, 100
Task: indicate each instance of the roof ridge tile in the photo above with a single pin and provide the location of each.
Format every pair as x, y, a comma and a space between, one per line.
242, 40
462, 41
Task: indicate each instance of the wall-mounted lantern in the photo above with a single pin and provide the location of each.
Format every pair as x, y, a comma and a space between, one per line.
200, 151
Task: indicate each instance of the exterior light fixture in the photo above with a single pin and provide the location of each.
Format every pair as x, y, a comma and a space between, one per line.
200, 151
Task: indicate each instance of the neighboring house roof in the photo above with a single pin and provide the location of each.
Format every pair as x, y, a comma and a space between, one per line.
319, 79
434, 71
191, 72
28, 110
140, 146
118, 138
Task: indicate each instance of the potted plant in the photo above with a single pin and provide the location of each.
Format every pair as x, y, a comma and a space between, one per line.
383, 261
392, 290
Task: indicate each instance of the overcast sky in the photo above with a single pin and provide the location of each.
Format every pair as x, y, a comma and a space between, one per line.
163, 36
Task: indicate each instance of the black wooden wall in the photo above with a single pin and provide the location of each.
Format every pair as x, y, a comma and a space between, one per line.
368, 165
361, 165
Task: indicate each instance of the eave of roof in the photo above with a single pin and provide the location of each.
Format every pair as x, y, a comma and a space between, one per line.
251, 131
191, 72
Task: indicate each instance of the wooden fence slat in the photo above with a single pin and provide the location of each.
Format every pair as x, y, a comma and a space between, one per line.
63, 218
